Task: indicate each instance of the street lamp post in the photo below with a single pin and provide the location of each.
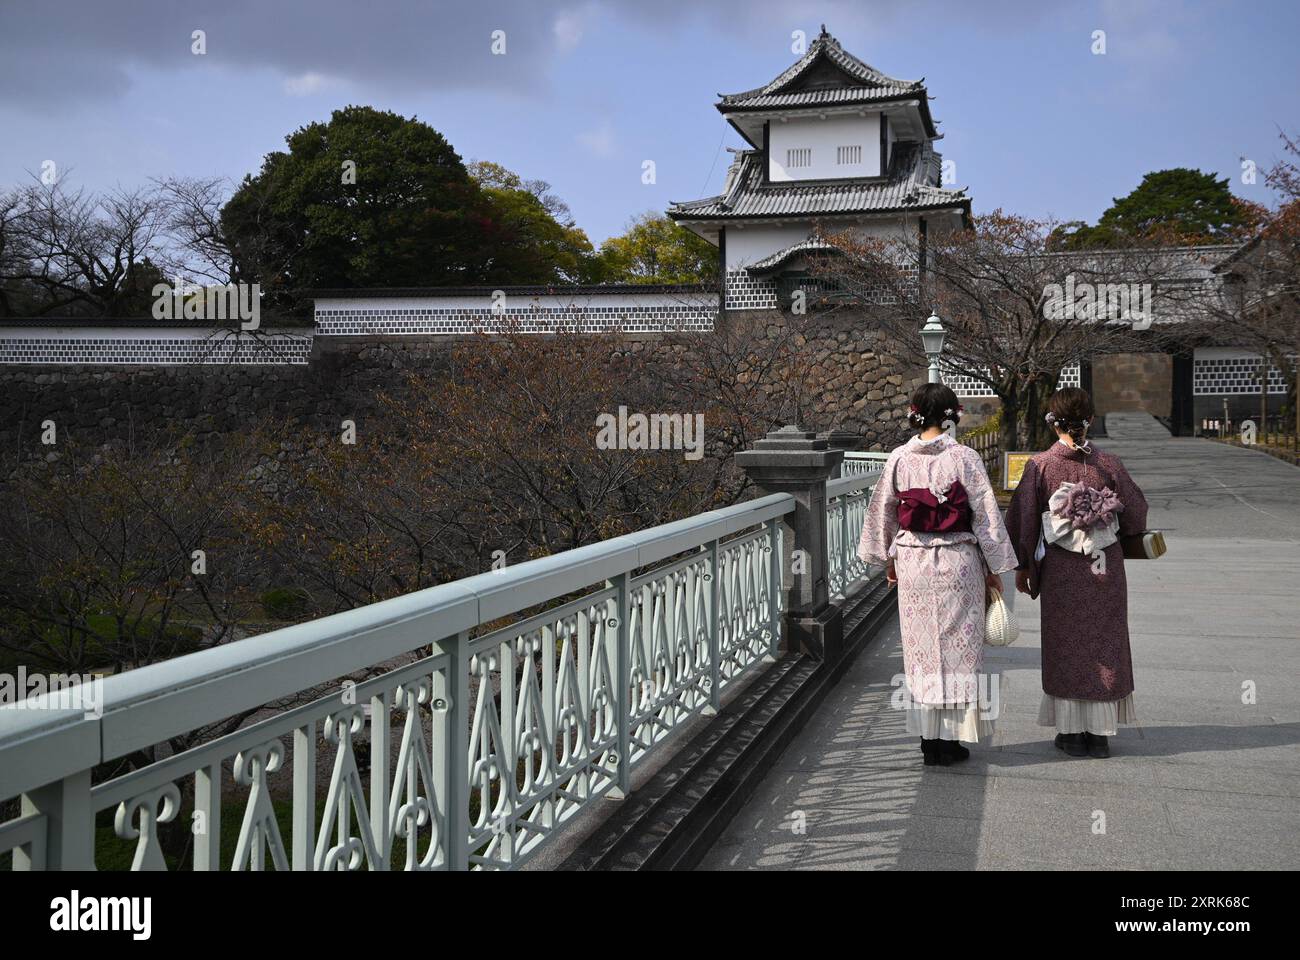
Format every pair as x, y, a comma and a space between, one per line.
932, 335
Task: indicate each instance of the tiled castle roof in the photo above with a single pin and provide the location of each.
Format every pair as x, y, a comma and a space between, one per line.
824, 77
774, 261
836, 96
912, 184
786, 90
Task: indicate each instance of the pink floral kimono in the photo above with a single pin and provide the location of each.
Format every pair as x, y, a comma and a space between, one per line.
940, 583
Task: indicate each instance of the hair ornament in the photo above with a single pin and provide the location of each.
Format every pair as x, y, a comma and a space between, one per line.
1050, 418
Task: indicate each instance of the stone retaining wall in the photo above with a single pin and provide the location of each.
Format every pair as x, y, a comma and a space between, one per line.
857, 384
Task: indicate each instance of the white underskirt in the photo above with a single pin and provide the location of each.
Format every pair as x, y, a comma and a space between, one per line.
958, 721
1100, 717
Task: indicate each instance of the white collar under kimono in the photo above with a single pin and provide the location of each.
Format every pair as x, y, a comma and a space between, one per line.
1084, 448
935, 444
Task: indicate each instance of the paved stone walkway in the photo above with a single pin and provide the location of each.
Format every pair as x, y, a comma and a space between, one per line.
1204, 782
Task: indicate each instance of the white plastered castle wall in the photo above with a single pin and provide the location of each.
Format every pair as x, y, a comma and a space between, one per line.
812, 148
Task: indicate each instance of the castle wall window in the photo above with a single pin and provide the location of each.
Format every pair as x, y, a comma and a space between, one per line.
839, 146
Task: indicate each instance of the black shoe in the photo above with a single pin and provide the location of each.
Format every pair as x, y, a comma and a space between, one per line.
1059, 742
954, 749
1073, 744
1098, 746
934, 754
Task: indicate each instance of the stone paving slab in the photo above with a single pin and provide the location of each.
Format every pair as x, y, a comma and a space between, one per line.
1205, 781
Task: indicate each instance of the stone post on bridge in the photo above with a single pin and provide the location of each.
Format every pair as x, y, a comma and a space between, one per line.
843, 440
794, 461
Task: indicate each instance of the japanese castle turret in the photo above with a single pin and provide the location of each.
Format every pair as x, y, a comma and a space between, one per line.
835, 144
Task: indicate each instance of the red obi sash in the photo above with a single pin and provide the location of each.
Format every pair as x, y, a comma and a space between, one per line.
920, 511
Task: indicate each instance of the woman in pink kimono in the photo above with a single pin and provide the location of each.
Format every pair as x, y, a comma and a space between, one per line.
934, 524
1071, 507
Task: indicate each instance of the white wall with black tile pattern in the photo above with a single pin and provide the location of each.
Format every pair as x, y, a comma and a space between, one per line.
32, 342
966, 386
1230, 371
466, 315
150, 345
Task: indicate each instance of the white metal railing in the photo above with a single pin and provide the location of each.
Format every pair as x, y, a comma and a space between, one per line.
476, 753
846, 508
862, 461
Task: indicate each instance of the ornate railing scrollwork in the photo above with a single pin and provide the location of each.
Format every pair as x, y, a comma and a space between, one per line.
138, 819
468, 750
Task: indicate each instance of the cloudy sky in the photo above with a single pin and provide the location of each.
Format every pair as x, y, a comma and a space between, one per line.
588, 90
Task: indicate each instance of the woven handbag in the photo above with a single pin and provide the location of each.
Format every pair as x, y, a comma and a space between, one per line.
1000, 626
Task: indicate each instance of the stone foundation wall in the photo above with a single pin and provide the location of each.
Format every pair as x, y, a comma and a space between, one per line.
856, 383
861, 384
97, 403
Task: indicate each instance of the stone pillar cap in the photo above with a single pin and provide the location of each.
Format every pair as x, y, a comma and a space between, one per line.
790, 438
845, 439
790, 447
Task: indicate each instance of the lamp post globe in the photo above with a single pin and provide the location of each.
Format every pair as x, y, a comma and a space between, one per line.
932, 335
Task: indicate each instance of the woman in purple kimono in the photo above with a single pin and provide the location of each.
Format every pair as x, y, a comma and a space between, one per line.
1071, 507
933, 522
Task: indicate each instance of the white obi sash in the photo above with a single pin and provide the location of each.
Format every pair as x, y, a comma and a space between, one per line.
1060, 531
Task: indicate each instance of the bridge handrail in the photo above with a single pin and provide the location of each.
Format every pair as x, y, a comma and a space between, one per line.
846, 508
211, 684
730, 580
862, 461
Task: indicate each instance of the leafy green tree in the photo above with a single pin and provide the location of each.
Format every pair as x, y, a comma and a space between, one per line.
531, 236
489, 175
1178, 206
369, 198
656, 250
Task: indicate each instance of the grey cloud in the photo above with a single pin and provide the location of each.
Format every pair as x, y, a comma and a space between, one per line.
85, 50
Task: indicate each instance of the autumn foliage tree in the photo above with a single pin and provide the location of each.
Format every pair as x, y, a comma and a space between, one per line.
998, 288
1258, 303
512, 441
350, 523
122, 555
752, 374
488, 457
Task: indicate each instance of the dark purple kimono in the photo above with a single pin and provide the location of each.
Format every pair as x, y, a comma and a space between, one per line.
1084, 614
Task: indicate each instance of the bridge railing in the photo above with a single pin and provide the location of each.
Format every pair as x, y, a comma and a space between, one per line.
459, 727
846, 508
862, 461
